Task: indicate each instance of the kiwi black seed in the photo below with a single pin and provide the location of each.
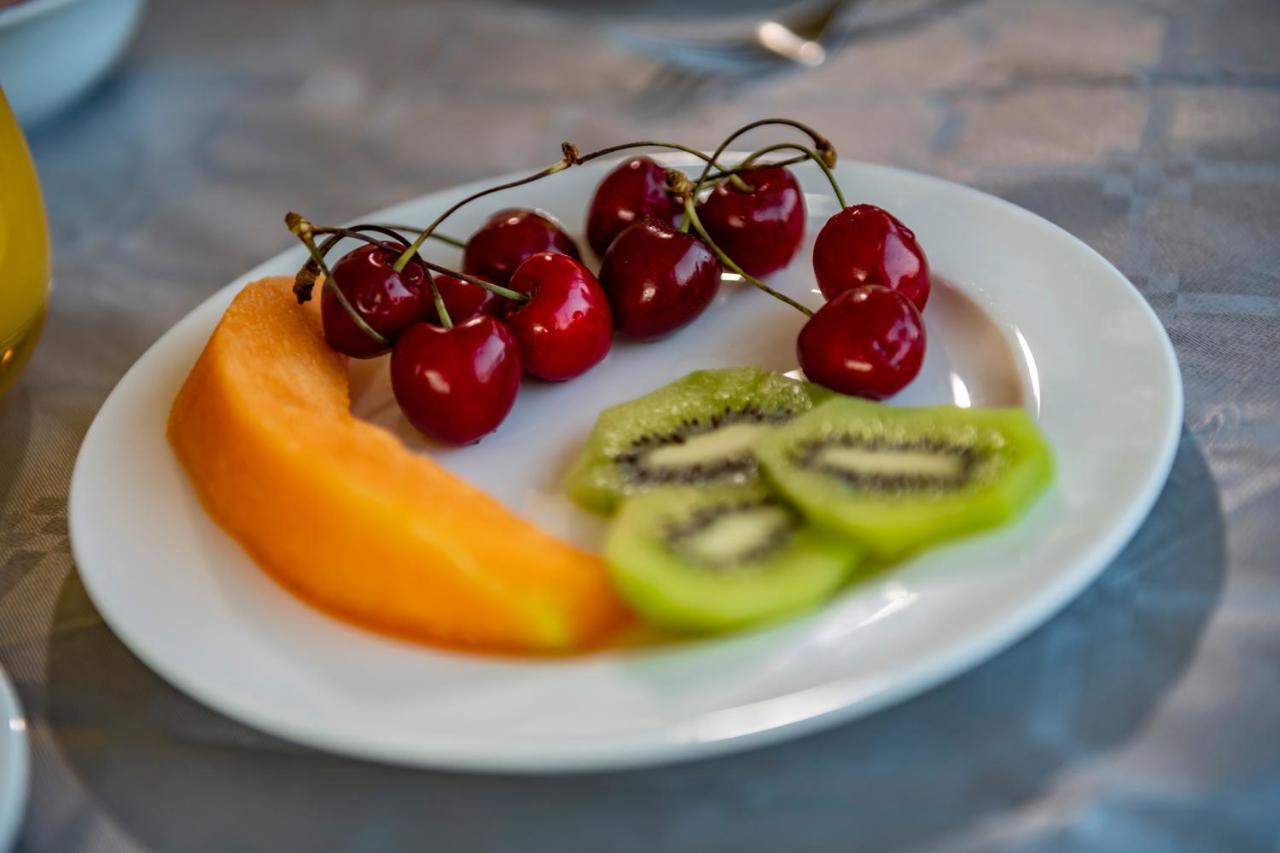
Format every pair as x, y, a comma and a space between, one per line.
897, 479
638, 465
696, 431
957, 463
767, 536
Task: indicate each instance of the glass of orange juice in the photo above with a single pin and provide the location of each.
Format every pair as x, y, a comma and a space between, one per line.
24, 250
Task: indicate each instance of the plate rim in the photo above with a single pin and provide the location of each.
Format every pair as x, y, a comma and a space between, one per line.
825, 705
15, 772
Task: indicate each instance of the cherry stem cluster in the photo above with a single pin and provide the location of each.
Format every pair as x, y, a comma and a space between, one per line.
569, 157
304, 281
820, 143
673, 146
691, 216
822, 153
435, 235
304, 231
505, 292
806, 154
742, 167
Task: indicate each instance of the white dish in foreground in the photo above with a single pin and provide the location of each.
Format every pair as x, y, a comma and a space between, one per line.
15, 763
1027, 312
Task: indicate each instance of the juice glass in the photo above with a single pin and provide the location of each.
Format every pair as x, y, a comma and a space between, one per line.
24, 250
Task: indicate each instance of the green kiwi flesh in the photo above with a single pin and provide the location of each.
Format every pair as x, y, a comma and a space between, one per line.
897, 479
718, 558
696, 431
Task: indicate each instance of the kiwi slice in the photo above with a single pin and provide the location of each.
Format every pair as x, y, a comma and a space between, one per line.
897, 479
718, 558
696, 431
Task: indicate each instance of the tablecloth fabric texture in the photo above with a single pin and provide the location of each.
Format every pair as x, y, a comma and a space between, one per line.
1143, 717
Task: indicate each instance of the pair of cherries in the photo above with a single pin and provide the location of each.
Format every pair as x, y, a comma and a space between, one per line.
868, 339
660, 278
456, 380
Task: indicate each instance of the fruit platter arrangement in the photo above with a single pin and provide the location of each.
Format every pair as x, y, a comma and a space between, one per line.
735, 496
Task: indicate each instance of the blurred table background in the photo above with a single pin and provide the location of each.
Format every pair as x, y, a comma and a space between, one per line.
1143, 717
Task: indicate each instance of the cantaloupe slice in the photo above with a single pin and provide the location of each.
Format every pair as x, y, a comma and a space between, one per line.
339, 511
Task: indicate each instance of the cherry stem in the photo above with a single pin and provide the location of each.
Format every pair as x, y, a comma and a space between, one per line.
441, 311
339, 233
505, 292
336, 235
570, 158
809, 153
673, 146
304, 280
435, 235
741, 167
820, 142
691, 216
303, 230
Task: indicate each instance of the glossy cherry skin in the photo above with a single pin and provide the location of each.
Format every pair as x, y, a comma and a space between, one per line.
462, 300
865, 244
658, 279
566, 327
456, 385
510, 236
635, 190
761, 229
387, 300
868, 341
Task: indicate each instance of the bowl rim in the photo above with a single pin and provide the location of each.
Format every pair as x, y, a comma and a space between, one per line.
25, 10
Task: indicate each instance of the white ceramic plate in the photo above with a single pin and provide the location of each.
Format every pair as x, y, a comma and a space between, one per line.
1023, 312
15, 763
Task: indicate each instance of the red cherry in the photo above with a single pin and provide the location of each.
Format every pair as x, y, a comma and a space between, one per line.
657, 278
636, 189
868, 341
566, 327
462, 300
387, 300
456, 385
761, 229
865, 244
510, 236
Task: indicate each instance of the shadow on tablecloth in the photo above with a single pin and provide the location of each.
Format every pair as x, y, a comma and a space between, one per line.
15, 425
958, 765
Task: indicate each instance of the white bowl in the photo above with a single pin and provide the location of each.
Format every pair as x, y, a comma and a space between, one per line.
53, 51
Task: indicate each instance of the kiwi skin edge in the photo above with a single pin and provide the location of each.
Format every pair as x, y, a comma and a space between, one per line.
680, 592
1017, 467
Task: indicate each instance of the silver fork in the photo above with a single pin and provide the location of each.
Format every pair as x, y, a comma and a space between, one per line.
799, 39
694, 67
